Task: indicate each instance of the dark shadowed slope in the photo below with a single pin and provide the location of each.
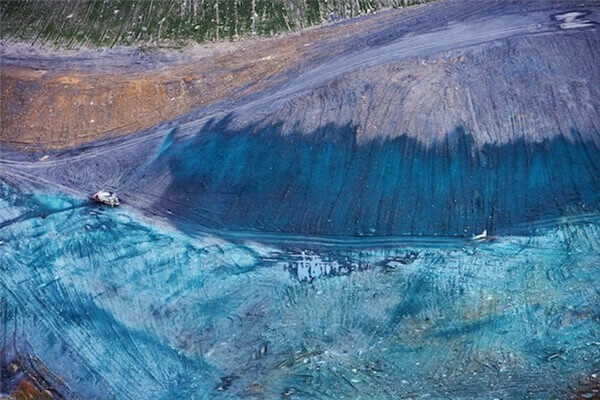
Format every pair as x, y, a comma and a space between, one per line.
328, 183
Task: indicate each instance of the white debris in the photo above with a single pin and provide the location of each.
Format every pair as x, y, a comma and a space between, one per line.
481, 236
571, 20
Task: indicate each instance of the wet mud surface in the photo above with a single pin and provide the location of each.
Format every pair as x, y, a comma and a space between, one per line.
112, 305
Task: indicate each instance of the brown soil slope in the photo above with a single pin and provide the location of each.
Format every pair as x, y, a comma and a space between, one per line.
63, 102
60, 108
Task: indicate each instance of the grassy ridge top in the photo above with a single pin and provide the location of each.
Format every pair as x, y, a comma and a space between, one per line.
107, 23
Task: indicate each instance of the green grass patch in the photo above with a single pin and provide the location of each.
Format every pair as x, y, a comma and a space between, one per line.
172, 23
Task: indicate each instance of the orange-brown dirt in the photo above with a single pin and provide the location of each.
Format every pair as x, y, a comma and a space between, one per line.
66, 106
26, 390
56, 109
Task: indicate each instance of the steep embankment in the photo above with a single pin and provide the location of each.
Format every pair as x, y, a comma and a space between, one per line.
496, 136
490, 121
55, 98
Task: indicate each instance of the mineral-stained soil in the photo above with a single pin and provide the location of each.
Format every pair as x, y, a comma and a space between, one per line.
312, 231
487, 120
64, 104
54, 99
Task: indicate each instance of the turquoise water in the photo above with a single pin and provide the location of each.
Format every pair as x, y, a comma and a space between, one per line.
117, 308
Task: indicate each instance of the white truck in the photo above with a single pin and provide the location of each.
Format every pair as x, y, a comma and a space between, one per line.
107, 198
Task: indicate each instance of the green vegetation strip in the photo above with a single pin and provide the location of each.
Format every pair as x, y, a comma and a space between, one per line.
172, 23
